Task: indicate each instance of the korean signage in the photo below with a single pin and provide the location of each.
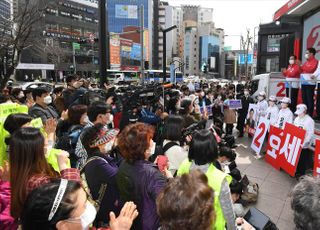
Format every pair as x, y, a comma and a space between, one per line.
260, 134
235, 104
311, 34
241, 59
126, 47
126, 11
115, 50
273, 44
284, 147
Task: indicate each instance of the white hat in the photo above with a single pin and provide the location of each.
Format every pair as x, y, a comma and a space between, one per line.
301, 108
272, 98
286, 100
262, 93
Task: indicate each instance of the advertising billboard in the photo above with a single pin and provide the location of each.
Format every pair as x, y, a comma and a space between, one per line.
115, 50
311, 34
136, 51
241, 59
126, 11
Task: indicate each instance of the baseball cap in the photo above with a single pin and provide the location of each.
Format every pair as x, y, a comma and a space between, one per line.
301, 108
262, 93
272, 98
286, 100
104, 137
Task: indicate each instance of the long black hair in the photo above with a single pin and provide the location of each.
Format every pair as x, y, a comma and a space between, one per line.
38, 205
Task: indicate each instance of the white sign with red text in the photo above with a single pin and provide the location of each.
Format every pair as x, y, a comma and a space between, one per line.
260, 134
311, 34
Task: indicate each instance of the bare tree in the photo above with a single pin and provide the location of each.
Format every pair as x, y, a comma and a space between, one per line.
17, 34
246, 44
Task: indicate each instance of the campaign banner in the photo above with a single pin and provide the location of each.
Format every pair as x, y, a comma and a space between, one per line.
251, 119
235, 104
260, 134
274, 141
316, 168
284, 147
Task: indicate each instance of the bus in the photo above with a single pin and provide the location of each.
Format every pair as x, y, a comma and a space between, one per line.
157, 76
122, 75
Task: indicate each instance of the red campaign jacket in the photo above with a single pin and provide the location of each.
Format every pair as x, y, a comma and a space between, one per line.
293, 71
310, 66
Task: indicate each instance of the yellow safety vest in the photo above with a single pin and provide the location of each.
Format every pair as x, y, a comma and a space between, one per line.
215, 179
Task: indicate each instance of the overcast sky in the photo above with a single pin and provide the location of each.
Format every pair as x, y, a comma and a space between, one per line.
234, 16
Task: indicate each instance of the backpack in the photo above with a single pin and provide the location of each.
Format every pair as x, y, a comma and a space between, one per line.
103, 187
68, 142
250, 190
160, 150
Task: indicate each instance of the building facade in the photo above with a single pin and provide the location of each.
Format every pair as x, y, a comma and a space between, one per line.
5, 9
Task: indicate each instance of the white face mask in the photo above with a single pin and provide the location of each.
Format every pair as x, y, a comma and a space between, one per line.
260, 98
21, 95
108, 147
307, 56
246, 93
110, 118
202, 94
284, 105
153, 148
271, 103
86, 119
291, 62
219, 97
47, 100
88, 216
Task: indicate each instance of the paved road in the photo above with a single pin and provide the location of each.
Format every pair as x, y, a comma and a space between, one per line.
275, 186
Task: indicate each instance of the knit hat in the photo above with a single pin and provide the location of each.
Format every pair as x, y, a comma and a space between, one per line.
104, 137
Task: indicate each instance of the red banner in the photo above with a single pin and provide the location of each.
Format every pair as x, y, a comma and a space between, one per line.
316, 169
286, 8
284, 147
274, 141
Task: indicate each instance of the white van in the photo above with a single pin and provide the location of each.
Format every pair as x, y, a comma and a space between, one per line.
271, 83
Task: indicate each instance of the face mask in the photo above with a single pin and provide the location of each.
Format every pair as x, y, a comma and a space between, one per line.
271, 103
260, 98
86, 119
284, 105
307, 56
291, 62
108, 146
219, 97
153, 148
47, 100
21, 95
202, 94
110, 118
88, 216
246, 93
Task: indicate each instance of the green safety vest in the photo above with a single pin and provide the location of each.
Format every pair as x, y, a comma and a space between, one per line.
215, 179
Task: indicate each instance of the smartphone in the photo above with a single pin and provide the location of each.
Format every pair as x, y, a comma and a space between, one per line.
162, 163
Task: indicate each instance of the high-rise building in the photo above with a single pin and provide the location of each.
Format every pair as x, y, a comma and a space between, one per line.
124, 22
5, 9
205, 15
65, 37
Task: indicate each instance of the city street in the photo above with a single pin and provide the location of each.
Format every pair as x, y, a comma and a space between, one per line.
275, 186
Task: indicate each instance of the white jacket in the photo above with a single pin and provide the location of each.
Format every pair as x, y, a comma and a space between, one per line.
285, 115
272, 114
176, 155
261, 108
306, 123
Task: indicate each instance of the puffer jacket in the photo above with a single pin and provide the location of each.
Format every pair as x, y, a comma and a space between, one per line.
141, 182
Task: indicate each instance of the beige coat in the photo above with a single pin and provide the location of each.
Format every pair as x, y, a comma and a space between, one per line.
230, 116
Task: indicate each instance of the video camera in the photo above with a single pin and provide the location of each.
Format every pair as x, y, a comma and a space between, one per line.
194, 127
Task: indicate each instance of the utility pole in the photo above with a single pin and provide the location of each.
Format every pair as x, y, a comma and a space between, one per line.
141, 42
102, 43
164, 58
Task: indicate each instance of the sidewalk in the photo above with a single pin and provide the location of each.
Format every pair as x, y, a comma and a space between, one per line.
275, 186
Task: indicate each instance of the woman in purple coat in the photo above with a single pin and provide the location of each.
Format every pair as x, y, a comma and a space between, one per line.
100, 171
138, 179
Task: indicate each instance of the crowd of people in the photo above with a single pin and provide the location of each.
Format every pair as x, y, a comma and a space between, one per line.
105, 161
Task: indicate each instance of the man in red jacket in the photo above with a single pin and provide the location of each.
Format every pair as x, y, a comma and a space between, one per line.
292, 74
307, 87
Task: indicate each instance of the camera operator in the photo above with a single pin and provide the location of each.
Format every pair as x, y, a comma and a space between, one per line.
185, 111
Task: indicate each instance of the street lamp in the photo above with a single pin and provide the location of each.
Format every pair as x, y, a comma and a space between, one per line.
164, 58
